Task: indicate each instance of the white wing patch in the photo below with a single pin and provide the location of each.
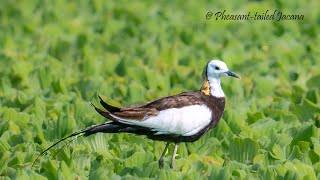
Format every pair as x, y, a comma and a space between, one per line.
186, 121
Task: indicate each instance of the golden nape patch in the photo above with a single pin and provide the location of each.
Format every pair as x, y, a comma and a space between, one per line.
205, 88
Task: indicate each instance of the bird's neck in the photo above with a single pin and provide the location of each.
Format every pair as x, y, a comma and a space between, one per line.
213, 87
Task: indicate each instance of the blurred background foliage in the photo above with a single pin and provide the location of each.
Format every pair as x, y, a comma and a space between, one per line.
55, 55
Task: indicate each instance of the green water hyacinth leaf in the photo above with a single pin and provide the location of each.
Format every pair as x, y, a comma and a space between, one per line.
21, 119
215, 172
40, 110
151, 77
306, 110
304, 170
277, 152
225, 172
239, 174
253, 117
136, 92
221, 131
121, 69
64, 172
261, 159
316, 144
64, 125
264, 86
50, 169
295, 153
304, 146
314, 157
313, 96
317, 168
136, 73
45, 77
17, 159
243, 150
54, 57
28, 174
264, 127
305, 133
5, 156
138, 159
101, 173
205, 146
313, 82
98, 144
151, 169
290, 174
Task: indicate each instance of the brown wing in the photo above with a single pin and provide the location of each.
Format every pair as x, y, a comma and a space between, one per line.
176, 101
137, 113
153, 108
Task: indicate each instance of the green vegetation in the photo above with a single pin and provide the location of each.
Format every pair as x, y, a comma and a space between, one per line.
56, 55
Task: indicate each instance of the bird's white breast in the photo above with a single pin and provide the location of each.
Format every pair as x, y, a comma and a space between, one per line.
185, 121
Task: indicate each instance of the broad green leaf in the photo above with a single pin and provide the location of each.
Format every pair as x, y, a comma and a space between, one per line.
151, 169
138, 159
262, 159
215, 172
313, 82
166, 175
243, 150
313, 96
136, 92
306, 110
40, 110
305, 170
316, 144
253, 117
205, 146
121, 69
303, 134
21, 119
5, 156
264, 86
224, 173
64, 172
4, 145
101, 173
98, 144
50, 169
295, 153
239, 174
314, 157
297, 94
55, 56
277, 152
28, 174
291, 174
220, 131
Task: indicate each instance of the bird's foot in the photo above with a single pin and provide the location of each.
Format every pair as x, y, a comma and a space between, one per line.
171, 165
161, 163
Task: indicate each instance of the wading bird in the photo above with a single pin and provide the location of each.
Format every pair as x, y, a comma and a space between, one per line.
183, 117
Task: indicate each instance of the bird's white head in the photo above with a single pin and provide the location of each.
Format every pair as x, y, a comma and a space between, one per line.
211, 74
217, 68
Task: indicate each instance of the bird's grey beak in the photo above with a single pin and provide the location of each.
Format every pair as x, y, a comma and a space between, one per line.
229, 73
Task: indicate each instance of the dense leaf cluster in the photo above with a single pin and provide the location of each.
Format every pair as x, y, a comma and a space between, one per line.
55, 56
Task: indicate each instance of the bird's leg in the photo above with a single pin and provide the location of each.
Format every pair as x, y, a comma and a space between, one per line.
161, 164
174, 155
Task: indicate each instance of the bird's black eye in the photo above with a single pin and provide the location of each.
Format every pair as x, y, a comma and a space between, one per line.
217, 68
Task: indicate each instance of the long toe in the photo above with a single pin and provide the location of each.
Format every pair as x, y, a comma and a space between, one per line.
161, 163
172, 164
